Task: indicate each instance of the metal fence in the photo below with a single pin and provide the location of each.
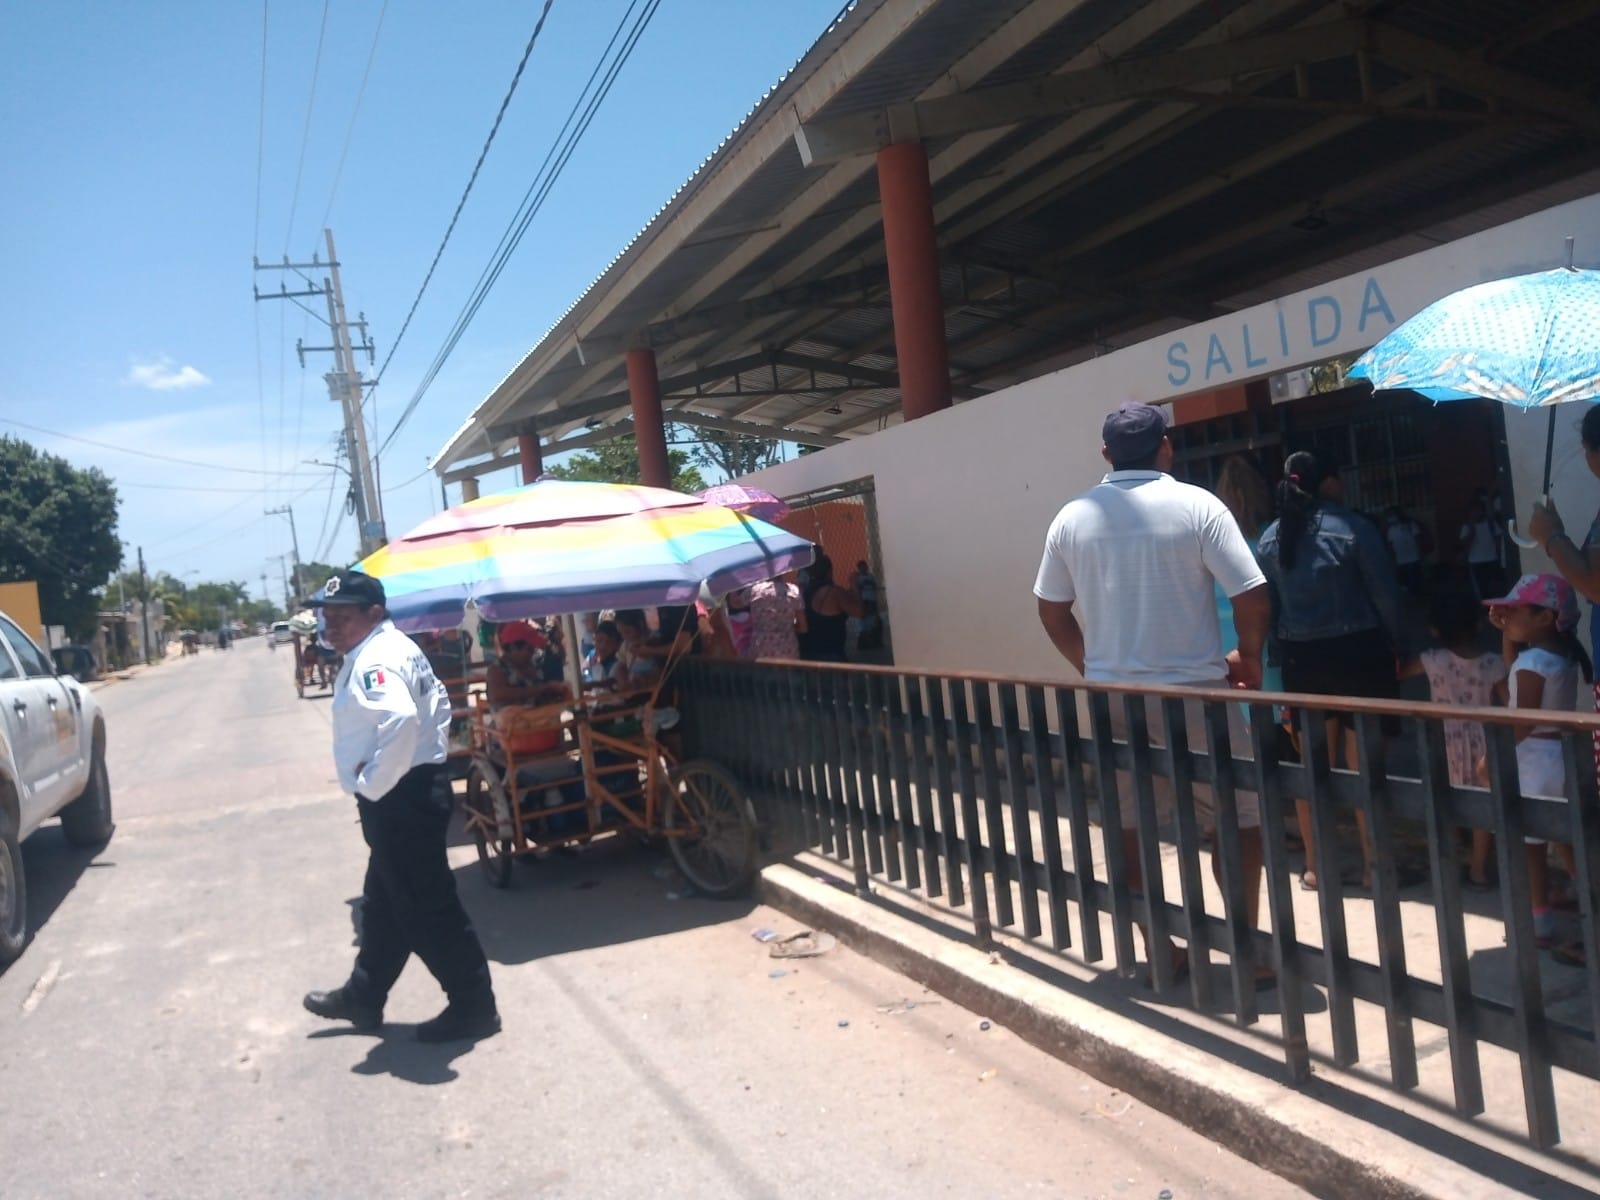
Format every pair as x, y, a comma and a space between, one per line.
982, 794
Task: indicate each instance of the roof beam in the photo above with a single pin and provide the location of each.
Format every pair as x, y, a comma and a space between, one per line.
1062, 95
1473, 73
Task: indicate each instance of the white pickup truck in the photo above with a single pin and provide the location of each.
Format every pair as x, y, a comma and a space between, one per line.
52, 760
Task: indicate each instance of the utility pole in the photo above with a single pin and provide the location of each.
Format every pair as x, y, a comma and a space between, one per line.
263, 585
294, 541
283, 572
344, 385
144, 609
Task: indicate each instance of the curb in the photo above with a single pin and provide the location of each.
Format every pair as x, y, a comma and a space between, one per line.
1332, 1152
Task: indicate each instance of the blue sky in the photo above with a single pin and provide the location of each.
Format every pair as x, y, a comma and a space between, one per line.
128, 219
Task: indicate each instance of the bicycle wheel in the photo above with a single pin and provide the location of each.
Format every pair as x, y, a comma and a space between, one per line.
494, 852
711, 828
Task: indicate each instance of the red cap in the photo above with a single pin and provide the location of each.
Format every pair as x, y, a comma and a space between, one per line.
522, 631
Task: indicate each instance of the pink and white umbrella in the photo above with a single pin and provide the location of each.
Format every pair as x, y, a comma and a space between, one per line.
763, 506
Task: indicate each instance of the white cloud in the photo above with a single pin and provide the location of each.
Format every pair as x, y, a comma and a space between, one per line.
163, 375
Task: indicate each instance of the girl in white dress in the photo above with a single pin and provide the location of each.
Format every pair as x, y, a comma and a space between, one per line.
1536, 619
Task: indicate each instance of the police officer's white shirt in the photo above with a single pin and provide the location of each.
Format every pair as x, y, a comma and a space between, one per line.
1136, 557
390, 713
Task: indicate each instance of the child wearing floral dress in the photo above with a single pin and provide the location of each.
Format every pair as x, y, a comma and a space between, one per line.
1460, 671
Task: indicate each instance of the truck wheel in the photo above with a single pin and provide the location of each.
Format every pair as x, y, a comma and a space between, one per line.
13, 894
87, 820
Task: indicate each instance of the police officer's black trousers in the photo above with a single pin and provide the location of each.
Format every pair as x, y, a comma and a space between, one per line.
409, 903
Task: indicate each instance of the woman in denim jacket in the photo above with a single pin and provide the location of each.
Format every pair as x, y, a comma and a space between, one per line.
1337, 614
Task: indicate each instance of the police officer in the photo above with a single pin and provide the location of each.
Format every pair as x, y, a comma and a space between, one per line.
391, 718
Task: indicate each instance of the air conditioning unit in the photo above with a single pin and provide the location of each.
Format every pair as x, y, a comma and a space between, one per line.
1289, 385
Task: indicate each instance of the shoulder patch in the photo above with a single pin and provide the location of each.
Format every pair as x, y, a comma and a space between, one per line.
375, 678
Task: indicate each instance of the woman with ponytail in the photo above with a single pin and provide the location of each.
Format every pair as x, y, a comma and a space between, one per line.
1337, 613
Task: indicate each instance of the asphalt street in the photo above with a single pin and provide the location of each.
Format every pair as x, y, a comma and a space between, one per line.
152, 1042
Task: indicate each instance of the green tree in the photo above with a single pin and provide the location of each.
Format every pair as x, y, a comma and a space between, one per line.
58, 527
617, 461
734, 454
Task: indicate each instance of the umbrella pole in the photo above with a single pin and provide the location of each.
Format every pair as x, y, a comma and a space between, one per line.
569, 634
1527, 543
1549, 450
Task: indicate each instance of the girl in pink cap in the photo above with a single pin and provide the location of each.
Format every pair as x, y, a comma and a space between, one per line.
1537, 619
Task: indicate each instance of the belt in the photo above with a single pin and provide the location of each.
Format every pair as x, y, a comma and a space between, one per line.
1546, 735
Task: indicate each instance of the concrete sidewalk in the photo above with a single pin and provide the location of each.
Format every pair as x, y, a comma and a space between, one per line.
1344, 1135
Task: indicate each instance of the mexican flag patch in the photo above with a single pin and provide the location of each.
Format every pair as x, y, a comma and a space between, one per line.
373, 678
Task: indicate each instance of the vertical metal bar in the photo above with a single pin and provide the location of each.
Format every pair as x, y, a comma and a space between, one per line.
1226, 846
849, 772
1021, 810
876, 714
919, 732
862, 784
899, 778
1049, 818
939, 732
1330, 892
993, 807
1105, 768
1158, 937
1373, 767
1280, 894
1190, 885
1083, 877
828, 706
1460, 1013
1527, 996
808, 735
779, 747
1577, 750
971, 834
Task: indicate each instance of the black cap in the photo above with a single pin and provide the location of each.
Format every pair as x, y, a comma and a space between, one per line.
1133, 432
355, 588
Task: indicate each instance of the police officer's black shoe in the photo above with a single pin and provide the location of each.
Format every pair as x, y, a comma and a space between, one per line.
461, 1022
338, 1006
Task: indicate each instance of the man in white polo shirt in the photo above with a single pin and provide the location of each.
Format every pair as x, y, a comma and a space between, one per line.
1126, 593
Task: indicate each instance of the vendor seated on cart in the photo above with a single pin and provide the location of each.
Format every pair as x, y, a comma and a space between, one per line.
518, 677
517, 680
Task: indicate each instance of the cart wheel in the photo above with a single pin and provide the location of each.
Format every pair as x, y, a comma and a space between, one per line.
494, 853
711, 828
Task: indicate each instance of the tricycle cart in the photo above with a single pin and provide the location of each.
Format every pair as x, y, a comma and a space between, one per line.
568, 773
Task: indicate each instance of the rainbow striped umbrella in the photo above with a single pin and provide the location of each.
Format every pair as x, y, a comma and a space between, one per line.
556, 546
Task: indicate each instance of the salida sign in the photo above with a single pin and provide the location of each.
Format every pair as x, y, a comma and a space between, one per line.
1282, 335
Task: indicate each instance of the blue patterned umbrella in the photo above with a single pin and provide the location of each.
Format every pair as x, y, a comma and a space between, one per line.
1532, 341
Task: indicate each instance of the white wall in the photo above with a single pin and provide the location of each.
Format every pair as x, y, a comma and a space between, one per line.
964, 496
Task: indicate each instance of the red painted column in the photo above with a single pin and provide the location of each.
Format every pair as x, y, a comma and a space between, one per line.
649, 431
914, 298
531, 456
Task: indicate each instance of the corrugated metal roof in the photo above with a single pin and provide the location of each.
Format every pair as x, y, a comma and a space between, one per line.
1064, 235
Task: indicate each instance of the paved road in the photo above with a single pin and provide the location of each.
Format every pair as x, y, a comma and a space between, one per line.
152, 1041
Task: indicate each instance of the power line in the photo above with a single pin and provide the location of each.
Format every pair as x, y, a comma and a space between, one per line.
349, 132
261, 131
471, 179
544, 181
305, 133
187, 462
235, 530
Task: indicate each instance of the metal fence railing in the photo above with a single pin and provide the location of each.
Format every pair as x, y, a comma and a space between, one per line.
983, 795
